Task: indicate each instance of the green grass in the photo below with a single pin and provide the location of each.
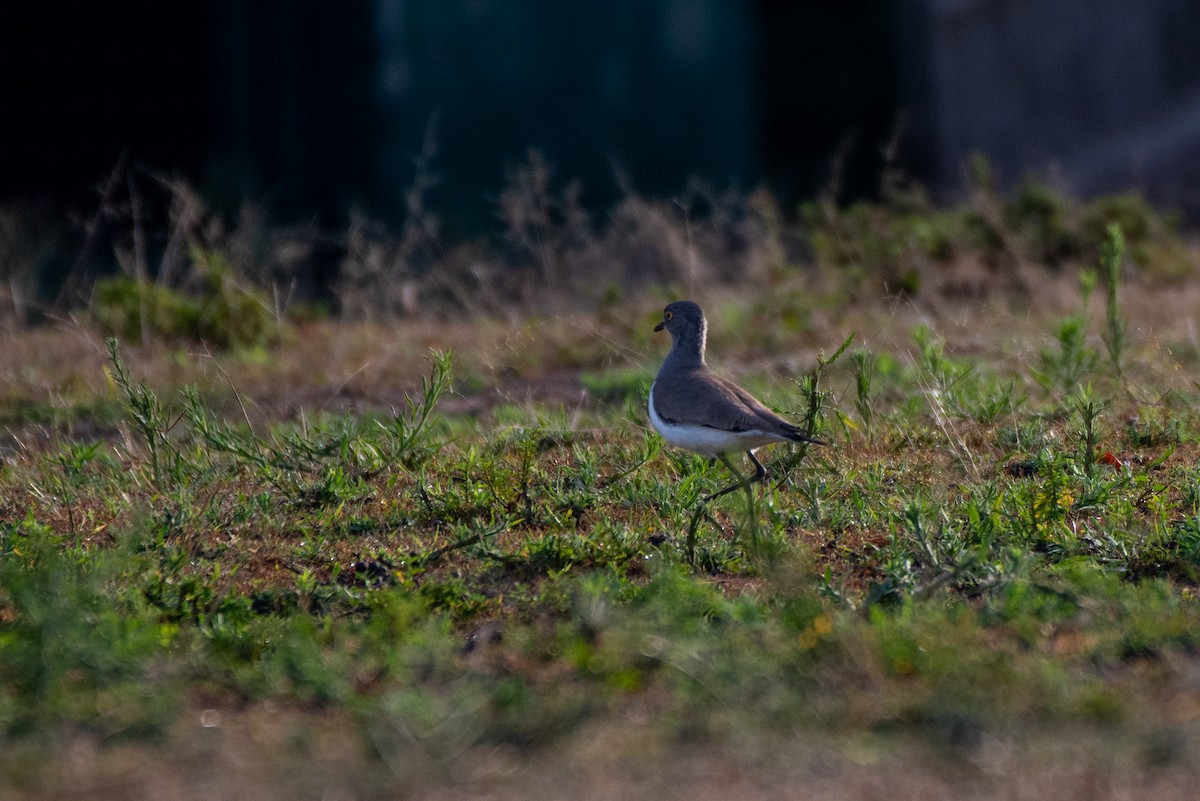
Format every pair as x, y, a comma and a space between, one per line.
995, 547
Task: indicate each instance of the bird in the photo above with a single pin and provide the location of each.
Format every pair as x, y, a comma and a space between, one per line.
694, 408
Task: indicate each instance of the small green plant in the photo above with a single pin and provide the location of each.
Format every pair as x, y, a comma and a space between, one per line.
1116, 336
218, 437
1063, 367
1088, 407
341, 453
816, 401
149, 416
407, 433
862, 363
942, 372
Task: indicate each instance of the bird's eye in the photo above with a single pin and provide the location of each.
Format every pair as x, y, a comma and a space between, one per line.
668, 315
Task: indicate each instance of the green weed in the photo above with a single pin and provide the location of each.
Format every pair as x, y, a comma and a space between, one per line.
150, 418
1116, 335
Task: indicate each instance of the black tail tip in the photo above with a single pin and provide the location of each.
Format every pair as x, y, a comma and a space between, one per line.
800, 436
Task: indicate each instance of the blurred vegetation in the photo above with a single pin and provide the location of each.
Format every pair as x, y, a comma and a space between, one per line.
217, 311
905, 237
184, 273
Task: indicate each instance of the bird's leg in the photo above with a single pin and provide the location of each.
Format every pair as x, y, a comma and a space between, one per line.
747, 483
760, 472
743, 482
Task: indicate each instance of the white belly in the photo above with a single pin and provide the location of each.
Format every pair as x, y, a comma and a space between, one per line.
708, 441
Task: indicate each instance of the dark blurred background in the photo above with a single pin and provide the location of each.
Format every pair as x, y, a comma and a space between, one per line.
314, 107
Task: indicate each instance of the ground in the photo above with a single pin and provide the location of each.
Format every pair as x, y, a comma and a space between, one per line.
444, 556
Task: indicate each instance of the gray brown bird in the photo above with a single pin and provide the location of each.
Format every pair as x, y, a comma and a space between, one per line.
694, 408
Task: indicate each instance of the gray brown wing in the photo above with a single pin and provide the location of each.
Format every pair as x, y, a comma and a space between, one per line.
700, 397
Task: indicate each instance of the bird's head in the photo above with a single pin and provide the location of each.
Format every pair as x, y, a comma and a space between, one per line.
682, 317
